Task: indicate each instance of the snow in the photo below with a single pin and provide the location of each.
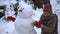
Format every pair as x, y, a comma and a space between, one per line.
36, 16
37, 13
6, 27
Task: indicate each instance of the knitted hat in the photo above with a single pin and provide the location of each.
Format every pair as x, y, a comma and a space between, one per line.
47, 8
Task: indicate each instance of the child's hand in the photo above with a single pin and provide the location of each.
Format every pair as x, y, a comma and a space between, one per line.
37, 24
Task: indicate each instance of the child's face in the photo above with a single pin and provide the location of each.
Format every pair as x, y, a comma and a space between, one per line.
46, 14
47, 10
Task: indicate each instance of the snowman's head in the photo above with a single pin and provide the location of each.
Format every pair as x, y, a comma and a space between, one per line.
25, 11
9, 11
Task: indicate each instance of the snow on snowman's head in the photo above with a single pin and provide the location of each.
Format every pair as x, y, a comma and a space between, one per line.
25, 11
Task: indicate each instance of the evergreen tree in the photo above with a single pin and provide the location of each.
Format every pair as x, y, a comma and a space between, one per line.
3, 8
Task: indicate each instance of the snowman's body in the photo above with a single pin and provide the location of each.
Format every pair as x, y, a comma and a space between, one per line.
23, 23
25, 26
6, 27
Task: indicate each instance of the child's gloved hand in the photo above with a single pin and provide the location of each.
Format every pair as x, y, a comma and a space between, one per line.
11, 18
38, 24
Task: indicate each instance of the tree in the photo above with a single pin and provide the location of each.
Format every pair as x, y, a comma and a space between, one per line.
3, 11
39, 3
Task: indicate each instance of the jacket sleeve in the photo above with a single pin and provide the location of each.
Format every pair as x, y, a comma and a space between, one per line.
51, 27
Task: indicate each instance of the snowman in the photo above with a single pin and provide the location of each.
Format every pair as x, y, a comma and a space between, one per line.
6, 24
24, 22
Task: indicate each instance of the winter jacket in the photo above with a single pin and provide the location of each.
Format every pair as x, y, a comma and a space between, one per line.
50, 25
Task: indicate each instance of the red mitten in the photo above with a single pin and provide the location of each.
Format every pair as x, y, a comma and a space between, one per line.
37, 24
11, 18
